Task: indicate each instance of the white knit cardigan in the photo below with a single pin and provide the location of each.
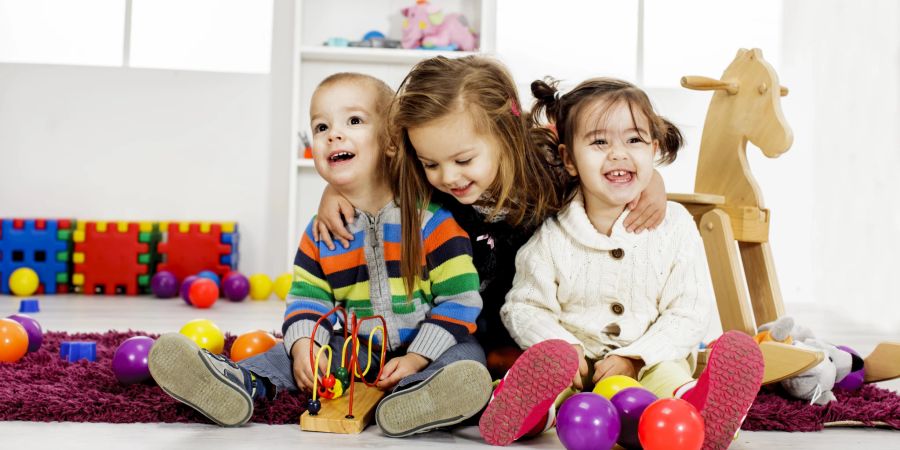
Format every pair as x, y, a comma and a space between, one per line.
654, 303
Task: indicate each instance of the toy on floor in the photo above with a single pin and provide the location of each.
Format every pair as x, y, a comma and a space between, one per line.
114, 258
188, 248
44, 246
630, 404
587, 421
424, 25
260, 286
129, 363
209, 275
331, 407
203, 293
23, 282
13, 341
164, 284
235, 286
33, 328
671, 424
283, 285
855, 379
610, 386
251, 344
205, 334
185, 290
73, 351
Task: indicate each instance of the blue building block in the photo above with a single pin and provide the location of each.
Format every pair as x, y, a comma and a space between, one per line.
232, 259
29, 305
46, 251
73, 351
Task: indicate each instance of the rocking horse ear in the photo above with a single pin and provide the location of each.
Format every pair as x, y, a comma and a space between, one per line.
698, 83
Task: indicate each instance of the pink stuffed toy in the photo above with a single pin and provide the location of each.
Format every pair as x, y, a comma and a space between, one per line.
424, 25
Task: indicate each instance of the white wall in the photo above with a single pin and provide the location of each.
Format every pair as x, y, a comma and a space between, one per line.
134, 144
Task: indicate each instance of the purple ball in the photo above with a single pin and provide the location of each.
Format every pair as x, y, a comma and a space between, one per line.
630, 403
164, 284
235, 286
186, 288
129, 364
33, 328
587, 421
853, 380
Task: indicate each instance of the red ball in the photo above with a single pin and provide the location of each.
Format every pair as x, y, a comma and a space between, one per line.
671, 424
203, 293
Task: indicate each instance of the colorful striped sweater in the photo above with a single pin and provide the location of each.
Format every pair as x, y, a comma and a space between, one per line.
365, 279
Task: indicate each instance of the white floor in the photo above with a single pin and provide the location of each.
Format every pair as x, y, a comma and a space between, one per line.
80, 313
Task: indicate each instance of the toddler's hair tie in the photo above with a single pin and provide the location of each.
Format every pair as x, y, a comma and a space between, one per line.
514, 107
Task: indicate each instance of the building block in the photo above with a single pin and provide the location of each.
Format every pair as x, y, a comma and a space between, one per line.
43, 245
114, 257
73, 350
29, 305
188, 248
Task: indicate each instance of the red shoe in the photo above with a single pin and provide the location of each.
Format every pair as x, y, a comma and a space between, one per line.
726, 389
529, 389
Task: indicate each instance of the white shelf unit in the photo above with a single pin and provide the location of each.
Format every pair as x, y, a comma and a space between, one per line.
315, 21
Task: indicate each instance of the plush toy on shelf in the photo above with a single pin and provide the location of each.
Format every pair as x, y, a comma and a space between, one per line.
426, 26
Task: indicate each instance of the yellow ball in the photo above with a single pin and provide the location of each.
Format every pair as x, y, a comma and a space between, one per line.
205, 334
610, 386
23, 281
260, 286
283, 285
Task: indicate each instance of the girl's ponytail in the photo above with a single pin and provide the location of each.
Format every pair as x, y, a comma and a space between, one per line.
671, 142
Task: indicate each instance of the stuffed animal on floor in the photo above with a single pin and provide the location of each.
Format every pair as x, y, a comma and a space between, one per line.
816, 383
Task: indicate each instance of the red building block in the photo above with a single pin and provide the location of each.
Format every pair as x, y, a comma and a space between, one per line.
189, 248
112, 258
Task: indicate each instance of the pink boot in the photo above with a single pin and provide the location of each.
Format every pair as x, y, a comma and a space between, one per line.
529, 389
726, 389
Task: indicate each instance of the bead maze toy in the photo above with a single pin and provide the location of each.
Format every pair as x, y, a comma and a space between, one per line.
331, 408
188, 248
114, 257
43, 245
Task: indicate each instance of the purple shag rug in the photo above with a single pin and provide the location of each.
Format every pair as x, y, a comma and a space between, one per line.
42, 387
871, 406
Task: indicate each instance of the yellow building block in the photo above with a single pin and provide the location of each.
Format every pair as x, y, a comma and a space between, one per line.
122, 227
204, 227
78, 235
101, 227
78, 279
228, 227
78, 257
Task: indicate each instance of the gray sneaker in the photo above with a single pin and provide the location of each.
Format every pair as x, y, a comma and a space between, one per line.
449, 396
211, 384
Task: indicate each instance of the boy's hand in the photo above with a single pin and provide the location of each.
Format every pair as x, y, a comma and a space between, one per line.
334, 209
649, 209
399, 368
303, 373
577, 383
617, 365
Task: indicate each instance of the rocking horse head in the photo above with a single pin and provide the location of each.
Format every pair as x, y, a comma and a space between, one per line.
750, 100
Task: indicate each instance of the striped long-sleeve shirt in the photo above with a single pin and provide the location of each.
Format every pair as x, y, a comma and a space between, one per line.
365, 279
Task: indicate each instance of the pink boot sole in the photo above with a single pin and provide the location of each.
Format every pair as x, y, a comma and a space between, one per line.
528, 391
735, 372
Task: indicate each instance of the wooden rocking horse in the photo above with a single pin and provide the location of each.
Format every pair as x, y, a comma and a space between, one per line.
728, 206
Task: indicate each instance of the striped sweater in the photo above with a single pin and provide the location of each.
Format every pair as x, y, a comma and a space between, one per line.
365, 279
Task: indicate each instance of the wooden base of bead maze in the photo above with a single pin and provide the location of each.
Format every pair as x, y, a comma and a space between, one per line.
332, 418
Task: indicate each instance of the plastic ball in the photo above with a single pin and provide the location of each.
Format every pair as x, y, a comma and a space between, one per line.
610, 386
260, 286
251, 344
164, 284
129, 363
342, 375
205, 334
186, 288
630, 403
587, 421
283, 285
13, 341
23, 282
313, 406
328, 382
235, 286
33, 328
671, 424
209, 275
203, 293
854, 380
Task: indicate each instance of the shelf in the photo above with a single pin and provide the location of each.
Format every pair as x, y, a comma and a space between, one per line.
372, 55
304, 162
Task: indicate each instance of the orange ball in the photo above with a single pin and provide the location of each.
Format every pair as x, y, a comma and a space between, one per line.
251, 344
13, 341
203, 293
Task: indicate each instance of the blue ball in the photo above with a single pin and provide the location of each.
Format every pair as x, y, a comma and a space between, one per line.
210, 275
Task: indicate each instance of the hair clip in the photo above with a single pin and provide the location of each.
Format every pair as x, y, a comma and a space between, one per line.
514, 107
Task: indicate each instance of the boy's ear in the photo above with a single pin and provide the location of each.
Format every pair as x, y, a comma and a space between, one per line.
568, 161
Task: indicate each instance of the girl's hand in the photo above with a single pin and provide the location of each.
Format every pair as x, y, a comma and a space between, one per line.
616, 365
577, 383
400, 368
303, 373
334, 210
649, 209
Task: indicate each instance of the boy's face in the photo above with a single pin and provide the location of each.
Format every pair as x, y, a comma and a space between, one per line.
345, 144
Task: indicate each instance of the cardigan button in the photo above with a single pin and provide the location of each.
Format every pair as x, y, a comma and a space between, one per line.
617, 308
617, 253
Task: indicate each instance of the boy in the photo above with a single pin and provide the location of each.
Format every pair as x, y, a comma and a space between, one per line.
434, 367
